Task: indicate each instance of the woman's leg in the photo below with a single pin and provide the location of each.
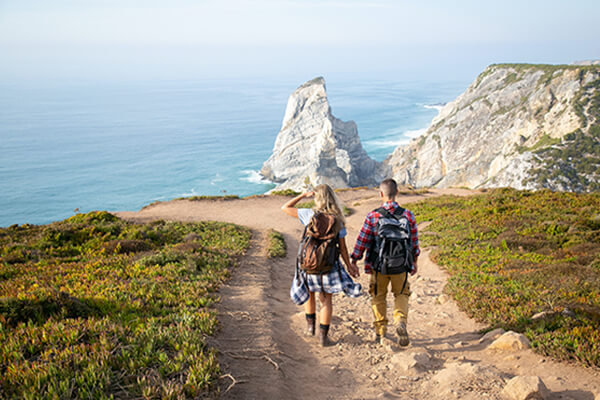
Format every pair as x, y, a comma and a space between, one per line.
325, 317
326, 308
310, 308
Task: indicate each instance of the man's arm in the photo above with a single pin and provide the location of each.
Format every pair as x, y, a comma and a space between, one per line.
414, 237
364, 239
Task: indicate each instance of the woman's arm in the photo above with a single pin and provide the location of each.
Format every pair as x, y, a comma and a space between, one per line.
352, 269
289, 208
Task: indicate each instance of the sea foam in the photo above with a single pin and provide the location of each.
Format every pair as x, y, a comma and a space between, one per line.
437, 107
253, 176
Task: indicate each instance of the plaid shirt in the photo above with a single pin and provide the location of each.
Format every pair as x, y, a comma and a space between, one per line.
366, 237
337, 280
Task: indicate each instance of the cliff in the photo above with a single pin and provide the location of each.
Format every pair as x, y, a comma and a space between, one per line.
313, 144
519, 125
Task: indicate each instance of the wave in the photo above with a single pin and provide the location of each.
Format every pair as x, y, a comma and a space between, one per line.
253, 176
191, 193
385, 144
437, 106
395, 137
217, 179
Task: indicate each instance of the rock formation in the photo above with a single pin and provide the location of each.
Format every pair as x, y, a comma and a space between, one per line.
519, 125
314, 144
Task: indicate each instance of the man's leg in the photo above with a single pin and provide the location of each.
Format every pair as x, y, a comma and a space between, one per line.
378, 291
401, 291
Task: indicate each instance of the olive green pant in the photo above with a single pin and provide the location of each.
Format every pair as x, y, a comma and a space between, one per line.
378, 289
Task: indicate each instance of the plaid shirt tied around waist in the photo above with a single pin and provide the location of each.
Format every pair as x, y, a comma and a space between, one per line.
366, 237
335, 281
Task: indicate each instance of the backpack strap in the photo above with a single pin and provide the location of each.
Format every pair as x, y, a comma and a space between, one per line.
397, 212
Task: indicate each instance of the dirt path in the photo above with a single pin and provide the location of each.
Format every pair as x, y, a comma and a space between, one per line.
263, 352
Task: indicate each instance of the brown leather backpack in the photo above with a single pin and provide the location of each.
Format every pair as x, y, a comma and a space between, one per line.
318, 251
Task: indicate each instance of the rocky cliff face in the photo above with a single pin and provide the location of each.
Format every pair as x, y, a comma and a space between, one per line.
524, 126
314, 144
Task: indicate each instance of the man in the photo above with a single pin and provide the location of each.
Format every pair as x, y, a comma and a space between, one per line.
379, 282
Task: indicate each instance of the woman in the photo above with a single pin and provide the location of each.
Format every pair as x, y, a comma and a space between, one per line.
336, 280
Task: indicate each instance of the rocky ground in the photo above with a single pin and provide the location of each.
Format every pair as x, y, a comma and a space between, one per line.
264, 355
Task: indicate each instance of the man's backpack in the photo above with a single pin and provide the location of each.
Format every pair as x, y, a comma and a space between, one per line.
392, 251
318, 251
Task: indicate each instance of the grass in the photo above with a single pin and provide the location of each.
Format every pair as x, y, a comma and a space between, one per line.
543, 142
547, 69
199, 198
276, 246
511, 254
96, 307
286, 192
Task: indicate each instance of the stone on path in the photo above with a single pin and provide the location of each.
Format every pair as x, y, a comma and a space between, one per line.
525, 388
492, 335
443, 298
510, 341
412, 360
455, 372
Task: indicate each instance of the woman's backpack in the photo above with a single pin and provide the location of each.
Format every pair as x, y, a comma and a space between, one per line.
318, 251
392, 253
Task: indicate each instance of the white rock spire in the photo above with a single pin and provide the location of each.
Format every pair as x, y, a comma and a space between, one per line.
314, 144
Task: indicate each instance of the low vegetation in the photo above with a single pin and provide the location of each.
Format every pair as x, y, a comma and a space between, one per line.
276, 245
574, 163
96, 307
514, 254
199, 198
286, 192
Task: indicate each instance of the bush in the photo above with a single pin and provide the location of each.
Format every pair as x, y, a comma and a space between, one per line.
84, 315
276, 246
511, 254
286, 192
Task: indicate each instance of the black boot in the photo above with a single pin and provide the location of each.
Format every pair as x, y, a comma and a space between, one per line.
324, 331
310, 324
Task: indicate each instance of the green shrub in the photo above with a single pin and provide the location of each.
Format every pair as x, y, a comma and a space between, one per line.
286, 192
97, 307
511, 254
199, 198
276, 246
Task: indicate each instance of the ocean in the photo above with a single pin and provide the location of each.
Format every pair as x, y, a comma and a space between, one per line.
68, 147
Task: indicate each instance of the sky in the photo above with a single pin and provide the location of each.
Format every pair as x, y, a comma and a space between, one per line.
137, 39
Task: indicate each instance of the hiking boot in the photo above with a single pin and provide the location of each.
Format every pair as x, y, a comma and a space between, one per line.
310, 324
323, 334
378, 339
402, 334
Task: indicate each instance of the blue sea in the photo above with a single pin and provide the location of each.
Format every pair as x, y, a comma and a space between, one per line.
117, 146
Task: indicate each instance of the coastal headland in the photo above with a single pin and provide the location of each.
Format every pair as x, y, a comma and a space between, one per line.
174, 300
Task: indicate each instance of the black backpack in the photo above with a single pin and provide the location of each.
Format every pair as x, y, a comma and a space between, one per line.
392, 251
318, 251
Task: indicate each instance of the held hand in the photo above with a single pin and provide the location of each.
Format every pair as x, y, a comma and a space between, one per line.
353, 269
310, 193
414, 270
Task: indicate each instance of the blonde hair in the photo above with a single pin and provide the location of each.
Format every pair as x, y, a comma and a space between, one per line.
327, 202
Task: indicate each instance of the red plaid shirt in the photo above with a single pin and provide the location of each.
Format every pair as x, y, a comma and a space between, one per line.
366, 237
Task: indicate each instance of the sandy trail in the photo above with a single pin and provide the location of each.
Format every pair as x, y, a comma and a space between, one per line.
263, 352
